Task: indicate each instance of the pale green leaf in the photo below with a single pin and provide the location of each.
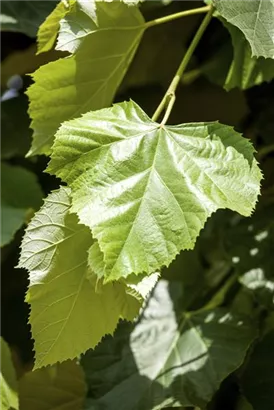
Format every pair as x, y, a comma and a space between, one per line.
61, 386
170, 358
87, 80
145, 189
20, 193
68, 314
24, 16
255, 19
242, 70
48, 30
8, 383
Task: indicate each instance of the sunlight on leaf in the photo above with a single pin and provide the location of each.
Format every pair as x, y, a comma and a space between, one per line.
88, 79
69, 312
146, 190
255, 19
48, 30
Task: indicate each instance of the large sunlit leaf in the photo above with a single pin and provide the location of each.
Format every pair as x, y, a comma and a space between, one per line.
61, 386
20, 195
70, 311
24, 16
8, 383
88, 79
255, 19
145, 189
169, 359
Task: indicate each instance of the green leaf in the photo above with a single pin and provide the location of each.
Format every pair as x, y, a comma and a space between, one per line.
255, 19
20, 193
145, 189
24, 16
87, 80
240, 70
48, 30
139, 287
69, 312
130, 292
61, 386
257, 383
170, 358
9, 399
82, 20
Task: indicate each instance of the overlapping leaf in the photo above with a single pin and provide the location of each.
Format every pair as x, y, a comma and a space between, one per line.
70, 312
255, 19
87, 80
145, 189
61, 386
48, 31
8, 382
170, 358
20, 193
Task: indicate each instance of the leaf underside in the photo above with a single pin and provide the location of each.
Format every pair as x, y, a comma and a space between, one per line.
255, 19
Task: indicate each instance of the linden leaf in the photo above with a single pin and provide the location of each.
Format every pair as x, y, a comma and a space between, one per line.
48, 30
61, 386
88, 79
68, 315
146, 190
130, 292
255, 19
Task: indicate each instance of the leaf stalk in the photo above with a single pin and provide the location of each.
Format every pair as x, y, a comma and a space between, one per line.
175, 16
169, 97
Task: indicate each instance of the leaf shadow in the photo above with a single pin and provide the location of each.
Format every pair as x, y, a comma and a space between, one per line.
157, 363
